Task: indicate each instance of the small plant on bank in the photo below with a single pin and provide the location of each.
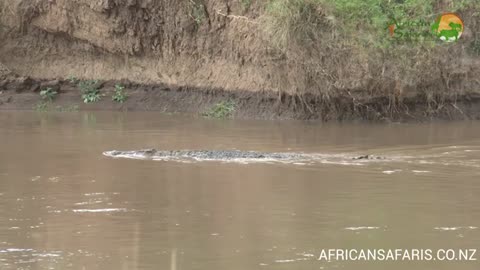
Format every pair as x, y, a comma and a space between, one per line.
224, 109
72, 79
90, 91
48, 94
197, 11
475, 46
41, 107
246, 4
119, 95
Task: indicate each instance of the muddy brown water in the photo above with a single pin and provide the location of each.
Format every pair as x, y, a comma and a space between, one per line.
64, 205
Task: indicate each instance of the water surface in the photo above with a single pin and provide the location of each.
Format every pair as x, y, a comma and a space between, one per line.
64, 205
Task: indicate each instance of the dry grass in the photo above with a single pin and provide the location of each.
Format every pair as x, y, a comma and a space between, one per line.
331, 52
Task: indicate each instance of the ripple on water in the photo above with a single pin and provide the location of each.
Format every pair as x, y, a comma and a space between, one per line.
419, 171
455, 228
306, 254
23, 256
8, 250
94, 194
102, 210
285, 260
391, 171
362, 228
88, 203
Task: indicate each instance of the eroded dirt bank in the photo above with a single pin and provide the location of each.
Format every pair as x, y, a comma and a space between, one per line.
22, 93
185, 56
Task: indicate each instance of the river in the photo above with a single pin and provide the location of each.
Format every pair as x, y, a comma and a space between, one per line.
64, 205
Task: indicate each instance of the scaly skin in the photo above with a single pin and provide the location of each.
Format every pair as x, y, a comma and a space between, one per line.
218, 155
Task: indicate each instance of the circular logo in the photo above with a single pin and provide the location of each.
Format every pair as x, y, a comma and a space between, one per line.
448, 27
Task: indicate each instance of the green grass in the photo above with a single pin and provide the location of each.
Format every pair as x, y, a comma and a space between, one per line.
246, 4
363, 21
90, 91
41, 107
72, 79
475, 46
224, 109
197, 11
119, 94
48, 94
322, 42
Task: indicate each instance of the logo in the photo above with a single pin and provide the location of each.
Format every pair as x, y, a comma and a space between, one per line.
447, 27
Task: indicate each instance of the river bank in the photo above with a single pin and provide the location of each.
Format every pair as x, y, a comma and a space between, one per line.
281, 59
23, 93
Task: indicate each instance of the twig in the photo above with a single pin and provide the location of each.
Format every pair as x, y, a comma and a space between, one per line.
4, 68
235, 17
456, 107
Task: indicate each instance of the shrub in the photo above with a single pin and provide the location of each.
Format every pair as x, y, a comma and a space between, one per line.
246, 4
197, 12
224, 109
72, 79
48, 94
119, 95
41, 107
90, 91
475, 46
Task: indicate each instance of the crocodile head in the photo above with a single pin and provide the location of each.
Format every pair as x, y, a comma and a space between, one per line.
149, 152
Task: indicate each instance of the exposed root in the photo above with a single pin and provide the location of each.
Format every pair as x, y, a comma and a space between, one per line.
235, 17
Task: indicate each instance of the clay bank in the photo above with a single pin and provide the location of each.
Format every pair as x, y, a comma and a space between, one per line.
281, 59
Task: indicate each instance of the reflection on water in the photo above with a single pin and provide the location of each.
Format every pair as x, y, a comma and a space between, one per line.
64, 205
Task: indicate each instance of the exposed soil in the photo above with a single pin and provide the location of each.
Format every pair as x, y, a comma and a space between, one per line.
22, 93
185, 56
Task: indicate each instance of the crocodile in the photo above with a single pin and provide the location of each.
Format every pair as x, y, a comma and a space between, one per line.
371, 157
222, 155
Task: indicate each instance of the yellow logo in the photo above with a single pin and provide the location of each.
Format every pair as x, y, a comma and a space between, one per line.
448, 27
